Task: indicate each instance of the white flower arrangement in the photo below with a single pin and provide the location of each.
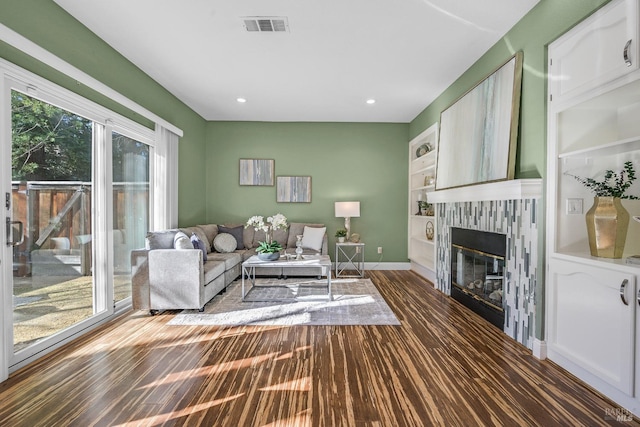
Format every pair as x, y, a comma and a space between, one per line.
276, 222
257, 222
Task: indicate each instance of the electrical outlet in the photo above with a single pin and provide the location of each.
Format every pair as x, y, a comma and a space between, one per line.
379, 249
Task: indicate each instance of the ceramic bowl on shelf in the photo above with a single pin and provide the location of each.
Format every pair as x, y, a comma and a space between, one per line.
423, 149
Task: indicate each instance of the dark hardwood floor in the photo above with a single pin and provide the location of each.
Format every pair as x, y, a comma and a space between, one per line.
443, 366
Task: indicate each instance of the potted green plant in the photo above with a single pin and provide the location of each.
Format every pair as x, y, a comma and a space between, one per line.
608, 220
341, 234
426, 208
269, 249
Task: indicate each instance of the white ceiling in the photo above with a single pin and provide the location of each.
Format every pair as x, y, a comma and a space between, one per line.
337, 54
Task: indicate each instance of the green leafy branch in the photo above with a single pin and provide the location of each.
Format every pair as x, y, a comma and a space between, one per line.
613, 184
269, 248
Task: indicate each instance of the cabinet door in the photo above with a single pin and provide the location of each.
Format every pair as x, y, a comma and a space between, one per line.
590, 327
601, 48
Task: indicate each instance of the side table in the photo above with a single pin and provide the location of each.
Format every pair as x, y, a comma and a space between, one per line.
349, 257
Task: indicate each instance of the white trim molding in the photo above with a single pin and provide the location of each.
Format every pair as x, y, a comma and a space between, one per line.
539, 349
513, 189
387, 266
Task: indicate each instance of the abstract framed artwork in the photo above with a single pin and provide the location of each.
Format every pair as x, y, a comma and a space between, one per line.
257, 171
293, 189
479, 131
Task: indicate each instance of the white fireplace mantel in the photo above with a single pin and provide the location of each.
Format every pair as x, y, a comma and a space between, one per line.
513, 189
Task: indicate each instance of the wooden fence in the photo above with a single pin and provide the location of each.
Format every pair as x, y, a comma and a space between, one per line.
54, 212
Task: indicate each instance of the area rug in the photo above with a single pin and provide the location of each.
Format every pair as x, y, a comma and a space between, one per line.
355, 302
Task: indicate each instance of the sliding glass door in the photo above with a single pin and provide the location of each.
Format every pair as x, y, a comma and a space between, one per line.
77, 201
130, 161
51, 196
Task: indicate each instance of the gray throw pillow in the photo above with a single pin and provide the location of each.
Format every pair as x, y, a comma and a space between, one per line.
160, 239
224, 243
236, 232
199, 244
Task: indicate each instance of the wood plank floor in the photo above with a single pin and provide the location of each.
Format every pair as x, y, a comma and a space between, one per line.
443, 366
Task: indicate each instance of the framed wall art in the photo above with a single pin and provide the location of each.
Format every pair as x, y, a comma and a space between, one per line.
293, 189
479, 131
257, 171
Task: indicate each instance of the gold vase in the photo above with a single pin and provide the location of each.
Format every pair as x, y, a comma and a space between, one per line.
607, 223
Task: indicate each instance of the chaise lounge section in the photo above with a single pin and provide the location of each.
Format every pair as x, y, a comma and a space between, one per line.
170, 274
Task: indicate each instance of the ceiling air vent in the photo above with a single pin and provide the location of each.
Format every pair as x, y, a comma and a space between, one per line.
265, 24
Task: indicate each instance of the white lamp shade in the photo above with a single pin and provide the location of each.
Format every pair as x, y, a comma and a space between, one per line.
347, 209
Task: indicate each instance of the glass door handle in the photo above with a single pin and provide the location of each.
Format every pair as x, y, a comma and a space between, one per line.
10, 224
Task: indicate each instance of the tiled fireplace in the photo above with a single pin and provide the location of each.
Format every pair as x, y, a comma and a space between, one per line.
517, 219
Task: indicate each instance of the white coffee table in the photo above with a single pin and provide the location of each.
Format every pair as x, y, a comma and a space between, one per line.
322, 262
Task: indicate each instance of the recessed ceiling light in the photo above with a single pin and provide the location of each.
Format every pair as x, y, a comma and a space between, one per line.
241, 100
371, 101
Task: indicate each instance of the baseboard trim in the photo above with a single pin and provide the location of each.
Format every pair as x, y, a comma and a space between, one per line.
387, 266
539, 349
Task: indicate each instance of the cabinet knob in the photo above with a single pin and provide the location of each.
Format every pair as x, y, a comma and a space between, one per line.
622, 289
627, 60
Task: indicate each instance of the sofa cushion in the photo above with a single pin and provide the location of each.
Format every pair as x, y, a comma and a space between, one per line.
312, 237
212, 269
236, 232
199, 244
189, 231
280, 236
210, 230
230, 259
296, 228
160, 239
224, 243
181, 241
247, 237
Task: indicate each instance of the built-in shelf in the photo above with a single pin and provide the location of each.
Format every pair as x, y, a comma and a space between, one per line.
513, 189
612, 148
423, 240
422, 170
430, 167
423, 188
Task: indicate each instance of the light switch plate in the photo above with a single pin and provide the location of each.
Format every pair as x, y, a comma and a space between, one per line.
574, 206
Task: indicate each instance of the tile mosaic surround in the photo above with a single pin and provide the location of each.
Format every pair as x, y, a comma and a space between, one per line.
518, 220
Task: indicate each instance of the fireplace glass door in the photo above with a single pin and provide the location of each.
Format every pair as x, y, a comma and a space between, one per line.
477, 280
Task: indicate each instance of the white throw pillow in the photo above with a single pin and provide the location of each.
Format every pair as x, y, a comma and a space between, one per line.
182, 241
312, 237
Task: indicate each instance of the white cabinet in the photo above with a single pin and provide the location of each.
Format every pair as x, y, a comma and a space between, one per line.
591, 303
601, 48
592, 322
422, 227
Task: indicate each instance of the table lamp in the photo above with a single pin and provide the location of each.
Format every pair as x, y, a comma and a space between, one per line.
347, 210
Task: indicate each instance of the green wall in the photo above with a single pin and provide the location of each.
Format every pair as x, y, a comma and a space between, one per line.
49, 26
346, 161
543, 24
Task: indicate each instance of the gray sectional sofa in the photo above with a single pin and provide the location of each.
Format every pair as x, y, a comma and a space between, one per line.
168, 278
